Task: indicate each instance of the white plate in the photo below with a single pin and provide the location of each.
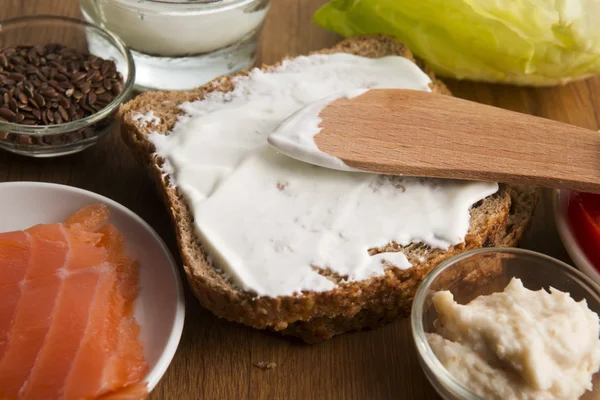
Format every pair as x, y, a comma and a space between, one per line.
160, 307
561, 198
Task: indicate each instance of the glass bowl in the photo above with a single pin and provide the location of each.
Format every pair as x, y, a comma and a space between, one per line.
565, 231
182, 44
482, 272
70, 137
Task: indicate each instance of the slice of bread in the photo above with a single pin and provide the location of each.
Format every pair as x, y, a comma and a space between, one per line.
498, 220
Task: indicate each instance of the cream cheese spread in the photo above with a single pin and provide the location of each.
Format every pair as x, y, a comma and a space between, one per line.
149, 118
518, 344
273, 224
295, 137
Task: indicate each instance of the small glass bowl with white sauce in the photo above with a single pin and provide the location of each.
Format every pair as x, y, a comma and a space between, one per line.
482, 272
182, 44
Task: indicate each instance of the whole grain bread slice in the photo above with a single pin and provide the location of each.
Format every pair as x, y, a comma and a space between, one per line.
498, 220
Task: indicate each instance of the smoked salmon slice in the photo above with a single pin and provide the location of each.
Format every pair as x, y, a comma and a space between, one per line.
132, 392
106, 334
66, 319
14, 259
62, 341
14, 256
89, 217
34, 309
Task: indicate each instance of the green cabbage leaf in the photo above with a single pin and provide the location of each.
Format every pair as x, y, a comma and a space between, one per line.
526, 42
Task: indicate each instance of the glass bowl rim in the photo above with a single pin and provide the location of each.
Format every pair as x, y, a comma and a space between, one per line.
426, 354
44, 130
195, 5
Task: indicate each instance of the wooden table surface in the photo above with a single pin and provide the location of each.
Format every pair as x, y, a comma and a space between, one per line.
215, 358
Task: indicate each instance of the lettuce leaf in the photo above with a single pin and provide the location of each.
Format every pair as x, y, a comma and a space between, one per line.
527, 42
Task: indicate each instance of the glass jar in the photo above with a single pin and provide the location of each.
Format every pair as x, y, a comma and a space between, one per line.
179, 44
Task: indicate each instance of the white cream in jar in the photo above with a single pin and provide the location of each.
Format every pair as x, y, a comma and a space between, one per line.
179, 44
178, 28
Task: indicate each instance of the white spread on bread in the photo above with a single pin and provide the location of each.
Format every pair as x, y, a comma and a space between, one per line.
145, 119
274, 224
295, 137
518, 344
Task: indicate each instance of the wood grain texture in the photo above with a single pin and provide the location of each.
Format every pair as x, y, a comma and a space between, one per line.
215, 358
414, 133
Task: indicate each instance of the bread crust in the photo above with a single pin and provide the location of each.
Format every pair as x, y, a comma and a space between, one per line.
313, 317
